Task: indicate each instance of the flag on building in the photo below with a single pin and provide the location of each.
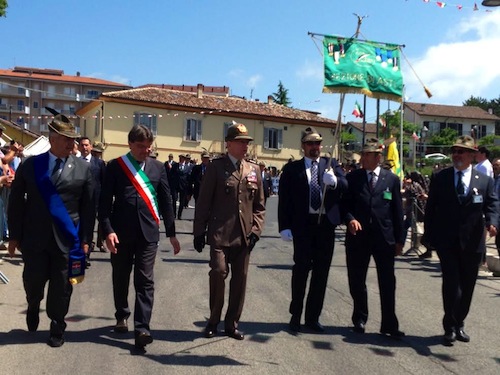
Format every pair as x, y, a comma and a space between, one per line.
393, 156
357, 112
415, 136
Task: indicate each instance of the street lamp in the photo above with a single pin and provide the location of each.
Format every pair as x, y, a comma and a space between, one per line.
491, 3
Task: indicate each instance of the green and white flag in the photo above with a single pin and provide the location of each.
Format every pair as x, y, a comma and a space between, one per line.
362, 67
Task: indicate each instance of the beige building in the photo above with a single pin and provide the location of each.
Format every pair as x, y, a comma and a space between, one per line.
190, 122
25, 92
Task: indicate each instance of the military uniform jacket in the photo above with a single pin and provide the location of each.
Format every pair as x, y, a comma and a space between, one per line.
230, 204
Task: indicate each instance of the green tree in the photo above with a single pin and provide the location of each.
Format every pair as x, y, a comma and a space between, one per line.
281, 96
3, 8
485, 104
445, 137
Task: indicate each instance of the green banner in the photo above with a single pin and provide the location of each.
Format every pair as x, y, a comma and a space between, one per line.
363, 67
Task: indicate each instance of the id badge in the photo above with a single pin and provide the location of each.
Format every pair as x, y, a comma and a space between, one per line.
477, 198
388, 195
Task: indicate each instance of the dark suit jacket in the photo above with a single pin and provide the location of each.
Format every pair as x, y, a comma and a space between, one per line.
450, 224
196, 177
267, 184
29, 219
172, 175
123, 211
97, 168
293, 204
380, 211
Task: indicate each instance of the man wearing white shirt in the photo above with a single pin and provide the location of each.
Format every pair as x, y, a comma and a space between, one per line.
309, 219
483, 163
97, 167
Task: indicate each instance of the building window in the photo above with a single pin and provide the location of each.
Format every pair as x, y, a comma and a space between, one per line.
452, 125
480, 131
69, 91
192, 131
20, 105
273, 138
92, 94
146, 119
35, 105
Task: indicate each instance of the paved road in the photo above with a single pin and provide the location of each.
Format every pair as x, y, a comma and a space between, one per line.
181, 310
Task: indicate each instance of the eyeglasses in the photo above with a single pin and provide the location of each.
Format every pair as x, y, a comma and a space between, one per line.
313, 143
457, 151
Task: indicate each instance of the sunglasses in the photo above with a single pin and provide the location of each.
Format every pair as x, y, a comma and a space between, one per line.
458, 151
313, 143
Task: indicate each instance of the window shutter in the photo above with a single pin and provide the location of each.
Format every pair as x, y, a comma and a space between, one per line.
280, 139
137, 118
266, 137
154, 128
198, 130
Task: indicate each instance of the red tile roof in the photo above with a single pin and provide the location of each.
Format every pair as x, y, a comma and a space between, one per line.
217, 90
438, 110
188, 101
55, 75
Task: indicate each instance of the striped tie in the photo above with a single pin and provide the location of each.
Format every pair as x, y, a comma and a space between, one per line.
315, 188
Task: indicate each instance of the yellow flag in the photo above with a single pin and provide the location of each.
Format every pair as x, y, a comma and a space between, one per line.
392, 154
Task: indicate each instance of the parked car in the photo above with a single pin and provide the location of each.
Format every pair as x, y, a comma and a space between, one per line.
436, 156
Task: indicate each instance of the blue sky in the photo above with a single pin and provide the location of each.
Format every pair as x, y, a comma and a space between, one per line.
251, 45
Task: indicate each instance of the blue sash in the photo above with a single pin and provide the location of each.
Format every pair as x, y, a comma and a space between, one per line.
60, 215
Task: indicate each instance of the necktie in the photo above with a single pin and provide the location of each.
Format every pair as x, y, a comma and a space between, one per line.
373, 180
238, 165
315, 188
460, 185
56, 170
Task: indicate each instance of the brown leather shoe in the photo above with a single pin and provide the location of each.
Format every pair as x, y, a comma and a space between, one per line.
121, 326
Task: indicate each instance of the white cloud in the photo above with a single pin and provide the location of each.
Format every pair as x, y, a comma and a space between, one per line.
466, 65
253, 80
310, 70
113, 78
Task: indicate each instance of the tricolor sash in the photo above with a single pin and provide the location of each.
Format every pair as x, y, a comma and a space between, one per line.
60, 216
141, 182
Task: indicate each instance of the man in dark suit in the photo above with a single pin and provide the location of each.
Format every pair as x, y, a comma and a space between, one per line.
198, 172
183, 171
462, 203
51, 196
171, 166
311, 225
229, 213
267, 183
97, 168
373, 213
134, 194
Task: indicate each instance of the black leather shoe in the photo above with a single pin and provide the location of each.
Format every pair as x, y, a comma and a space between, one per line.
394, 333
426, 255
142, 339
235, 334
315, 326
449, 337
294, 324
462, 336
55, 341
210, 331
121, 326
359, 327
32, 319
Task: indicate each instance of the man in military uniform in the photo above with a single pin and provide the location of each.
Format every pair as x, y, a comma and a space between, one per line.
231, 206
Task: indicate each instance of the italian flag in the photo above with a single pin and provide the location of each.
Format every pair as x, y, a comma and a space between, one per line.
357, 112
440, 4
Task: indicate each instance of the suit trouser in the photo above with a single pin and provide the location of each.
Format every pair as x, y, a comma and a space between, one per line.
460, 271
220, 259
182, 202
141, 255
313, 253
51, 265
358, 260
